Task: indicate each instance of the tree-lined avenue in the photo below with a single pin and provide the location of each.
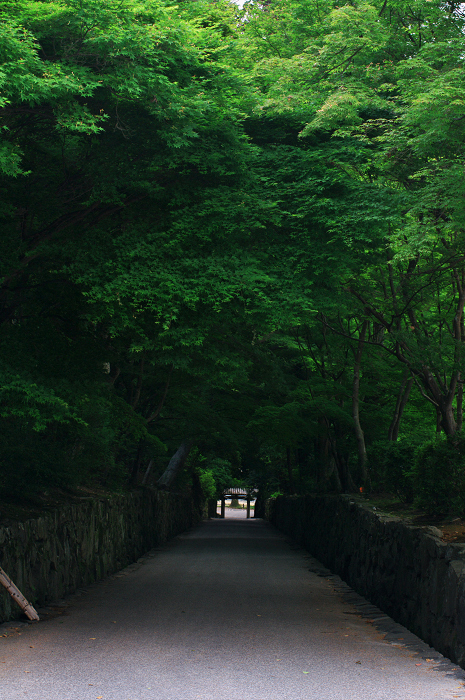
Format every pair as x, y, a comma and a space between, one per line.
228, 610
233, 238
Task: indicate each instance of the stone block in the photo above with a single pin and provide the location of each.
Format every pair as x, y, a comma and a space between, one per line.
76, 545
418, 579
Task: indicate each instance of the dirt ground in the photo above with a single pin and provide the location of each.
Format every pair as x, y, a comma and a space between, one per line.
452, 531
452, 527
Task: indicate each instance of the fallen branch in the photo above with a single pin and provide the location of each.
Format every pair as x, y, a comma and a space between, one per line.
18, 596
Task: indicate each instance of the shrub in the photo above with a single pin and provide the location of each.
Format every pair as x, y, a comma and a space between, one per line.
439, 476
208, 483
390, 465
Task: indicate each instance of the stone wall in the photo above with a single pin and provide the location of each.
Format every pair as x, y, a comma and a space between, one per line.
82, 542
405, 570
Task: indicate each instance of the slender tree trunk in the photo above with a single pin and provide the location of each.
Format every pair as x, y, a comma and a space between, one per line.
359, 436
460, 406
321, 448
341, 459
448, 422
402, 399
136, 465
433, 387
139, 383
289, 470
156, 413
445, 400
147, 473
345, 476
333, 475
175, 465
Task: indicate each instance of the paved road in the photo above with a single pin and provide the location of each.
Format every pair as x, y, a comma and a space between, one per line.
228, 611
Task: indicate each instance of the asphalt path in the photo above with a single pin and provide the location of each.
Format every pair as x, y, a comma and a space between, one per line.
228, 611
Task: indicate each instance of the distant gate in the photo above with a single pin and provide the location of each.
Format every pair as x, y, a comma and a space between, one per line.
240, 493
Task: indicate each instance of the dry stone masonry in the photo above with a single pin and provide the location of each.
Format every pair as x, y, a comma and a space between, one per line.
77, 544
405, 570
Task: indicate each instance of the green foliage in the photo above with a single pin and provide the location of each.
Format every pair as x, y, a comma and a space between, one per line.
391, 466
30, 402
439, 473
200, 207
215, 476
208, 484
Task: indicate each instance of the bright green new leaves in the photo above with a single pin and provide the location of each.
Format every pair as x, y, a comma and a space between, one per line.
30, 85
119, 119
31, 402
326, 75
213, 202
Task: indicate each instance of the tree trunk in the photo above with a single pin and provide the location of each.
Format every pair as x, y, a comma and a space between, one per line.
345, 477
147, 473
156, 413
328, 473
333, 476
448, 422
460, 407
402, 399
175, 465
321, 448
289, 470
212, 508
259, 510
438, 422
433, 386
359, 436
136, 465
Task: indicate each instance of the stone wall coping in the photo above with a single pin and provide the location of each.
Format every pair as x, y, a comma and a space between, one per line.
403, 568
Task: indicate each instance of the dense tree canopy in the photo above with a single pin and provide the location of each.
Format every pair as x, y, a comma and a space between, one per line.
235, 230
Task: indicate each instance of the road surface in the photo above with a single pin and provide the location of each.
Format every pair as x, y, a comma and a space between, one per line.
228, 611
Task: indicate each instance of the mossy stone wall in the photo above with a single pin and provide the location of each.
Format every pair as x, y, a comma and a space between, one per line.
79, 543
405, 570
